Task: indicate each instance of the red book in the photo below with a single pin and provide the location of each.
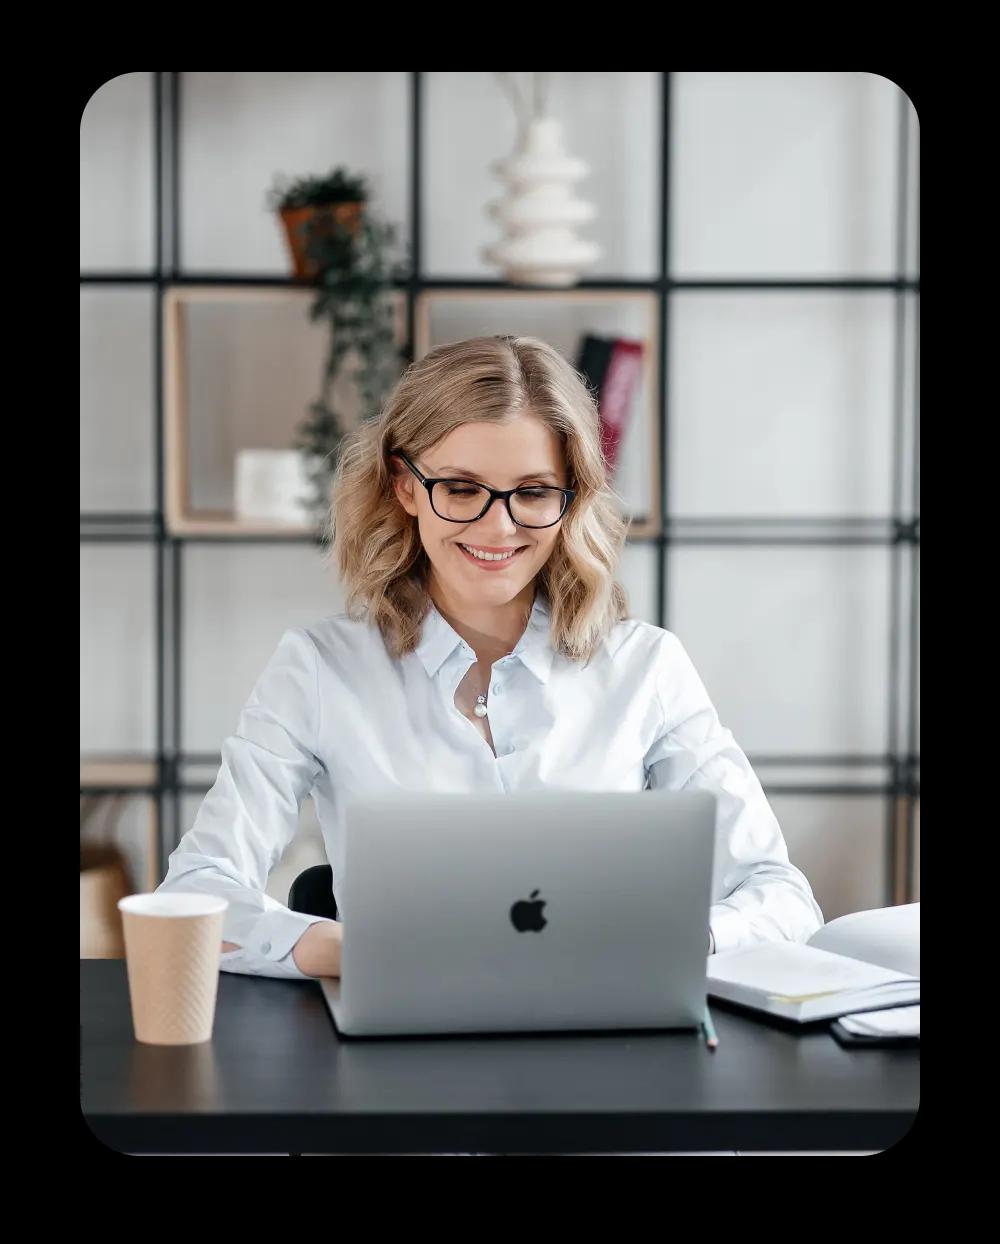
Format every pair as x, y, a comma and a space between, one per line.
617, 396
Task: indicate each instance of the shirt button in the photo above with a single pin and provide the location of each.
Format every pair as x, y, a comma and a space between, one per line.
266, 948
496, 689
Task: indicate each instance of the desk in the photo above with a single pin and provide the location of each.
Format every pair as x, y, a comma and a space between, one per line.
275, 1078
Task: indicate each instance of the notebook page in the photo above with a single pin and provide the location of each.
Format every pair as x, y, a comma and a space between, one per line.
793, 972
900, 1021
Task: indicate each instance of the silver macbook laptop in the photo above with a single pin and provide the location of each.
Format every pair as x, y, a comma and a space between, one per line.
524, 912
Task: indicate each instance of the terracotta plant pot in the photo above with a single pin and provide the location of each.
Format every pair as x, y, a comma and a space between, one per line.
297, 220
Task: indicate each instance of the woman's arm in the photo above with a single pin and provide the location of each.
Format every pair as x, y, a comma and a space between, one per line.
317, 952
757, 894
251, 814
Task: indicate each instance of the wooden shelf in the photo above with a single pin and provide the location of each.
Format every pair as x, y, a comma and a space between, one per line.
225, 524
181, 517
97, 772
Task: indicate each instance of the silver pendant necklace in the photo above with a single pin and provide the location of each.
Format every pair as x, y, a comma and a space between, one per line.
480, 707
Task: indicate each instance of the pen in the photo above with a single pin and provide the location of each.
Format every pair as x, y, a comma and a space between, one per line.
708, 1028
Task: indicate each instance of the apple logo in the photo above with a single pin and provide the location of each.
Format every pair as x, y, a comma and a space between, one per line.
527, 916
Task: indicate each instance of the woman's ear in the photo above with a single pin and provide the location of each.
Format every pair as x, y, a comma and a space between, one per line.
402, 483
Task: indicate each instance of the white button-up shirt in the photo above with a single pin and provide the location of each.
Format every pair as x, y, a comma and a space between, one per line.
334, 715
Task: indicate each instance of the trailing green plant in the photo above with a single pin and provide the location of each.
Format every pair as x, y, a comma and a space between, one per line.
355, 282
337, 186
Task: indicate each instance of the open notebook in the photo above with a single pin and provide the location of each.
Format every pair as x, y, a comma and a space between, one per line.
867, 961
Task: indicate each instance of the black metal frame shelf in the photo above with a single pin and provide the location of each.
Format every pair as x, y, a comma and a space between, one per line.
606, 284
898, 533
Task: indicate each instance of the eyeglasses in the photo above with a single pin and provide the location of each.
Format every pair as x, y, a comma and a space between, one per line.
464, 501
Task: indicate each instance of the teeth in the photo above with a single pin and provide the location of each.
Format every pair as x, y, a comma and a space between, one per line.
489, 557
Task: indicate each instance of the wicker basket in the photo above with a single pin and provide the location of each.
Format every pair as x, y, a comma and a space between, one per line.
104, 879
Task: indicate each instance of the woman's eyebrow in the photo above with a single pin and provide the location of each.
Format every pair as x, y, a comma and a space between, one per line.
473, 475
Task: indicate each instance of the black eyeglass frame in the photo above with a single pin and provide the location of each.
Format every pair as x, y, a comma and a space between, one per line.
495, 493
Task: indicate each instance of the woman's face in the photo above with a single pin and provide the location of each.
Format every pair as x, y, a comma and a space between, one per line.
522, 452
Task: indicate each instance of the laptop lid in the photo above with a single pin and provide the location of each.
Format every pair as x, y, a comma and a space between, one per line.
522, 912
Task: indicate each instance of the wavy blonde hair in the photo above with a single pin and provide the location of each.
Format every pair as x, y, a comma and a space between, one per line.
375, 546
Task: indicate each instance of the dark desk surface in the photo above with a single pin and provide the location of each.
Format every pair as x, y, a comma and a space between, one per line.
275, 1078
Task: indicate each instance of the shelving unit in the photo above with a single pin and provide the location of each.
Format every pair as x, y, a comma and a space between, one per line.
172, 524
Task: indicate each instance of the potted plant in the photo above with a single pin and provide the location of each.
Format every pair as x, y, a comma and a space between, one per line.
312, 206
355, 270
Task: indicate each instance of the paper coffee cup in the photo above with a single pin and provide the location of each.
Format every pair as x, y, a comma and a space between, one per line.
173, 943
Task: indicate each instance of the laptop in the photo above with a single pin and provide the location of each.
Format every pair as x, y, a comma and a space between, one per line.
524, 912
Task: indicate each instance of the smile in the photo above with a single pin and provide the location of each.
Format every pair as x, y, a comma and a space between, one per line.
486, 559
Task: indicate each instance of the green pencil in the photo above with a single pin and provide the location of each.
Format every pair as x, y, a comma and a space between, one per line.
708, 1028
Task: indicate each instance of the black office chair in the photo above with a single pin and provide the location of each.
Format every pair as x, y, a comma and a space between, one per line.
312, 893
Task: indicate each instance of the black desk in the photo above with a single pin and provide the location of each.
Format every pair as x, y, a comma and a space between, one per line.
275, 1078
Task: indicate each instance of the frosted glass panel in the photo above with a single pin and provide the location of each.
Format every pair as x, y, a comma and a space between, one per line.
637, 575
238, 130
791, 643
116, 399
909, 454
913, 192
784, 174
253, 369
611, 120
906, 570
563, 321
839, 843
117, 649
116, 177
239, 599
781, 404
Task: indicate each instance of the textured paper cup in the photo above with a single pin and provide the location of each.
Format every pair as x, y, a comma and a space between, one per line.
173, 943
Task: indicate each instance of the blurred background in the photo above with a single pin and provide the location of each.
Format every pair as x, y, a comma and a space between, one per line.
730, 258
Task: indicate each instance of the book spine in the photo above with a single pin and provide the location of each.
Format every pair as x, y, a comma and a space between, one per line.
595, 354
621, 383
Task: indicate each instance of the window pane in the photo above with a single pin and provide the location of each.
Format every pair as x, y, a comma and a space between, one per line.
637, 575
784, 174
238, 130
781, 404
791, 643
116, 400
239, 599
117, 649
116, 177
610, 120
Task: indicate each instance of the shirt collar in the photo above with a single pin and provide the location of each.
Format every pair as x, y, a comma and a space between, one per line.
438, 640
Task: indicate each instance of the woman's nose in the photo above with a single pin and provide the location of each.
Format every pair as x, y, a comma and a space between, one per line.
497, 519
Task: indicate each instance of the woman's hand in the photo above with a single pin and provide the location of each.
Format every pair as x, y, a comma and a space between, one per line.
317, 952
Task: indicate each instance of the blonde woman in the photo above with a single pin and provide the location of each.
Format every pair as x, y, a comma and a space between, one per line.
486, 645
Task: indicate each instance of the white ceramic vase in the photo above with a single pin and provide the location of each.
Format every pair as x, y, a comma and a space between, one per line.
540, 212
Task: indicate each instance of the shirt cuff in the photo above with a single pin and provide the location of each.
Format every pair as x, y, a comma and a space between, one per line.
268, 949
728, 929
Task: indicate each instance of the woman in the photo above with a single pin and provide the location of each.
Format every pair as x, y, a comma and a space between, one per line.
486, 646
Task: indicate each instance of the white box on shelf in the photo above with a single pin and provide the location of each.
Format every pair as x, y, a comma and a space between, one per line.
272, 484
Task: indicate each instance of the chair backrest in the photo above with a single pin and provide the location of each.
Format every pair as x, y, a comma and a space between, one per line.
312, 892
